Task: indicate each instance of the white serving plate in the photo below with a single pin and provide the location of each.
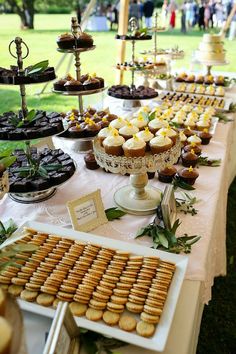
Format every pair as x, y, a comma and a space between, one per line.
158, 341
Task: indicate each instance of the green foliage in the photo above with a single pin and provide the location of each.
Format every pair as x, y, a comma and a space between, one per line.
7, 229
114, 213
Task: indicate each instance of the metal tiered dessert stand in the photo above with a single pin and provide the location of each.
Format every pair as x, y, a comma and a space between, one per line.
130, 103
37, 196
138, 198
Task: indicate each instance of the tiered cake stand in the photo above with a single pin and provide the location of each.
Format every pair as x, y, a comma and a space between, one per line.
137, 198
130, 103
80, 144
37, 196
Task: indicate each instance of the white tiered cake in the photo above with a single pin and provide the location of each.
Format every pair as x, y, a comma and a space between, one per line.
211, 49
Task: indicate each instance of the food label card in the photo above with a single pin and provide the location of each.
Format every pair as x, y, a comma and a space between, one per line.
88, 212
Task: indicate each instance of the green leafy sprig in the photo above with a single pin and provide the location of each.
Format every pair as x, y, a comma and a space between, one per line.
114, 213
7, 229
186, 204
166, 239
18, 122
9, 255
96, 343
178, 183
37, 68
232, 107
6, 159
222, 117
206, 161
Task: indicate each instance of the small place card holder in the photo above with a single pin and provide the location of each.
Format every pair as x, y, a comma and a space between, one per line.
63, 337
88, 212
168, 207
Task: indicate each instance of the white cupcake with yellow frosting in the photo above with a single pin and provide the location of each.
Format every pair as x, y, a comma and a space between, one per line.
128, 130
118, 123
160, 143
194, 139
134, 147
113, 144
139, 122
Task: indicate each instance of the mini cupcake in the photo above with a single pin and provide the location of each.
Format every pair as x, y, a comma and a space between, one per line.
167, 174
160, 143
192, 116
198, 109
113, 144
200, 89
210, 90
110, 117
187, 107
134, 147
73, 85
199, 79
219, 80
103, 123
118, 123
190, 78
146, 135
189, 158
91, 127
197, 150
182, 138
210, 110
194, 139
105, 132
128, 130
171, 133
203, 124
66, 41
220, 91
139, 122
60, 84
209, 79
76, 131
84, 40
178, 120
205, 137
190, 123
188, 175
181, 77
156, 124
90, 161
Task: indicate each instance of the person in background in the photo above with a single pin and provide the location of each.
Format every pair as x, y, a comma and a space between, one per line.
78, 12
172, 9
232, 29
195, 13
134, 9
219, 11
148, 8
183, 17
212, 13
201, 23
207, 15
140, 4
188, 13
110, 15
164, 12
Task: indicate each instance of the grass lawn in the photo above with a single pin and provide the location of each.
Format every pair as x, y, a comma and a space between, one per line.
218, 330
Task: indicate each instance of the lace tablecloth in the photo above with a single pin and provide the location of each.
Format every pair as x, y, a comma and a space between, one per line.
208, 257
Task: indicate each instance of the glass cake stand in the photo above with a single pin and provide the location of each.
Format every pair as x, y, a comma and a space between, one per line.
137, 198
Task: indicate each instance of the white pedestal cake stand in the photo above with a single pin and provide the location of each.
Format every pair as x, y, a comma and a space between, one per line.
137, 198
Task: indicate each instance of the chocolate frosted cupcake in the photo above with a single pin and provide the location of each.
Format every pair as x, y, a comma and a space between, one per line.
84, 40
188, 175
189, 158
60, 84
205, 137
66, 41
167, 174
76, 131
91, 128
90, 161
73, 85
197, 150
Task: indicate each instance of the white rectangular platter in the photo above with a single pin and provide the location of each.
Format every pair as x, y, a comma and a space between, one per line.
158, 341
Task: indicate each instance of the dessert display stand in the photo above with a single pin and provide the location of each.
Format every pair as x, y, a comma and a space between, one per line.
138, 198
37, 196
130, 103
81, 144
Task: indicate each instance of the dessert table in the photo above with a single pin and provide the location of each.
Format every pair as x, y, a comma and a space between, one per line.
208, 257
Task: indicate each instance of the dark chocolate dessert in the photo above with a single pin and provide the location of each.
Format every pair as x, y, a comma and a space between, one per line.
189, 158
125, 92
61, 168
66, 41
205, 136
90, 161
197, 150
60, 84
91, 83
12, 77
74, 85
167, 174
188, 175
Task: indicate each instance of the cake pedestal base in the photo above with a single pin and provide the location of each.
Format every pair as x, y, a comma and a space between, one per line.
33, 197
138, 198
128, 105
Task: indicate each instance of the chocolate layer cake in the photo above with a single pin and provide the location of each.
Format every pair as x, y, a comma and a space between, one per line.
22, 183
44, 124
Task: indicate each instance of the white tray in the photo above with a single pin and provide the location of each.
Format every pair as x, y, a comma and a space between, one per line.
158, 341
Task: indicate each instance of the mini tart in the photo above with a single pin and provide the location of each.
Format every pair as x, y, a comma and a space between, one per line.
167, 174
197, 150
160, 143
188, 175
189, 158
118, 123
156, 124
73, 85
66, 41
84, 40
128, 130
113, 144
134, 147
139, 122
205, 137
105, 132
194, 139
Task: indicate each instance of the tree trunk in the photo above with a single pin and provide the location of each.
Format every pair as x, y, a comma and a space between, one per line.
29, 9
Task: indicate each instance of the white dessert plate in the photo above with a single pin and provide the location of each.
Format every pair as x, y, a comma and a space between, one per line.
158, 341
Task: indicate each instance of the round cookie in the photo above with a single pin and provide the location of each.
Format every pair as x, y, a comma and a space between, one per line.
28, 295
78, 309
135, 308
45, 299
15, 290
145, 329
94, 315
111, 318
146, 317
127, 323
